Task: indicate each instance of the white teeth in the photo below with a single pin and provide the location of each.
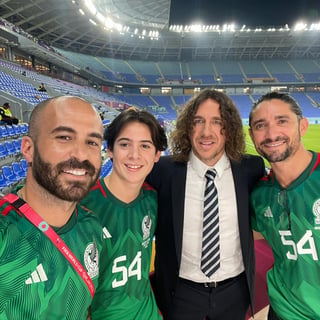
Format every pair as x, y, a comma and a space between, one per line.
76, 172
133, 167
275, 144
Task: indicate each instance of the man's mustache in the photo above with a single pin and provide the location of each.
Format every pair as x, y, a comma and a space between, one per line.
74, 163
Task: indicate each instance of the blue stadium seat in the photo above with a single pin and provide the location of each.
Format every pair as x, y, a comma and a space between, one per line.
9, 175
24, 128
3, 151
24, 164
3, 182
10, 131
106, 168
16, 168
3, 132
10, 148
17, 145
17, 129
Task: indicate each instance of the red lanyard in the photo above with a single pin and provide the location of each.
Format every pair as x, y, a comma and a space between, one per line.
43, 226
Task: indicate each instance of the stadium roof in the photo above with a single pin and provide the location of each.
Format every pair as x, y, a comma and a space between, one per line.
60, 24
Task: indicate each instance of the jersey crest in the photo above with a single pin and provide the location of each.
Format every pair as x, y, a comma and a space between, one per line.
146, 228
316, 213
91, 260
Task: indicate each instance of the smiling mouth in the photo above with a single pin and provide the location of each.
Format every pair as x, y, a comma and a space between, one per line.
274, 144
76, 172
133, 166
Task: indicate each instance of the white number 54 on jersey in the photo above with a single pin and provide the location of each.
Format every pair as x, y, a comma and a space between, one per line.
305, 245
134, 269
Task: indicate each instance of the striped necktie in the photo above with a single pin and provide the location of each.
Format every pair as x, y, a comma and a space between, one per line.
210, 257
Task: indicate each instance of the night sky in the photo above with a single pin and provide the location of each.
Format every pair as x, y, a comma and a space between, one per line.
249, 12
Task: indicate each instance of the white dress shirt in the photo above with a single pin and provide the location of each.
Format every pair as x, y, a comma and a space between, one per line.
231, 263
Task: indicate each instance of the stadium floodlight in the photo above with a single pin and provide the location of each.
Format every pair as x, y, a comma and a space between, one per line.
93, 22
100, 17
300, 26
109, 23
82, 12
315, 26
91, 7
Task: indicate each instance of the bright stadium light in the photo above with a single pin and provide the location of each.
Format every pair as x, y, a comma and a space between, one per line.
300, 26
315, 26
109, 23
91, 7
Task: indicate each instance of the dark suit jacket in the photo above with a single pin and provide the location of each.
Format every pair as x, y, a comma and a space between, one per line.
169, 179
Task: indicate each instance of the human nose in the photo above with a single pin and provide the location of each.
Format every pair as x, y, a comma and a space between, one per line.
206, 128
271, 131
134, 151
80, 150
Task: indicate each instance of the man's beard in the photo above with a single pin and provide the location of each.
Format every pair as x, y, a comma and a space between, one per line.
276, 156
47, 176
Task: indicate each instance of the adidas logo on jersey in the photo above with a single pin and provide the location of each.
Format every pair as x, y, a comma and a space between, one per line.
106, 233
268, 213
37, 275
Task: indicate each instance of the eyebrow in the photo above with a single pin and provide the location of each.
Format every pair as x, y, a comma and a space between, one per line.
127, 139
276, 117
71, 130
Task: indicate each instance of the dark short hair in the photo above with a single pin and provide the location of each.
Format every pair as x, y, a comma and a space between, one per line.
6, 104
113, 130
294, 106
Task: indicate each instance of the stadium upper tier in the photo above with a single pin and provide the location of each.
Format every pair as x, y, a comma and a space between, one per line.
23, 88
198, 72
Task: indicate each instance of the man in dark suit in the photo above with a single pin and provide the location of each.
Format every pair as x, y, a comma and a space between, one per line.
208, 135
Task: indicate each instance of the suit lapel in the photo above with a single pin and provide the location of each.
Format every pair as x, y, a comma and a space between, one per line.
178, 199
240, 183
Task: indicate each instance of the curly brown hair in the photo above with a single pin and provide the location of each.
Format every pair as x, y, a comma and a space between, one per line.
231, 125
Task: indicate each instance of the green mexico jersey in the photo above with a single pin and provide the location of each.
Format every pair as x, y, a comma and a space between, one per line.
289, 219
36, 280
128, 231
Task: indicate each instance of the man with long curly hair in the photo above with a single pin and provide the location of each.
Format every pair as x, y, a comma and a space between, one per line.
208, 136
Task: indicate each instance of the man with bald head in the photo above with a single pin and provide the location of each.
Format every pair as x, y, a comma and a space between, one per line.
50, 245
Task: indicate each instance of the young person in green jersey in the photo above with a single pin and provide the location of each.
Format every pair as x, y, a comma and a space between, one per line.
127, 208
40, 272
286, 206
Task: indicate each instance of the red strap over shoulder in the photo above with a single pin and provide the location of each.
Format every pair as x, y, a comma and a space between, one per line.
43, 226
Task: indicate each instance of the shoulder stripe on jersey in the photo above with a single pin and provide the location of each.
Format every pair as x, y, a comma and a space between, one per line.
101, 188
317, 163
147, 186
98, 186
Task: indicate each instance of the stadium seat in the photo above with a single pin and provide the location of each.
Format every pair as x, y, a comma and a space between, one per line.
3, 151
3, 132
9, 175
17, 129
106, 168
24, 164
17, 145
24, 128
10, 148
3, 182
10, 131
16, 168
